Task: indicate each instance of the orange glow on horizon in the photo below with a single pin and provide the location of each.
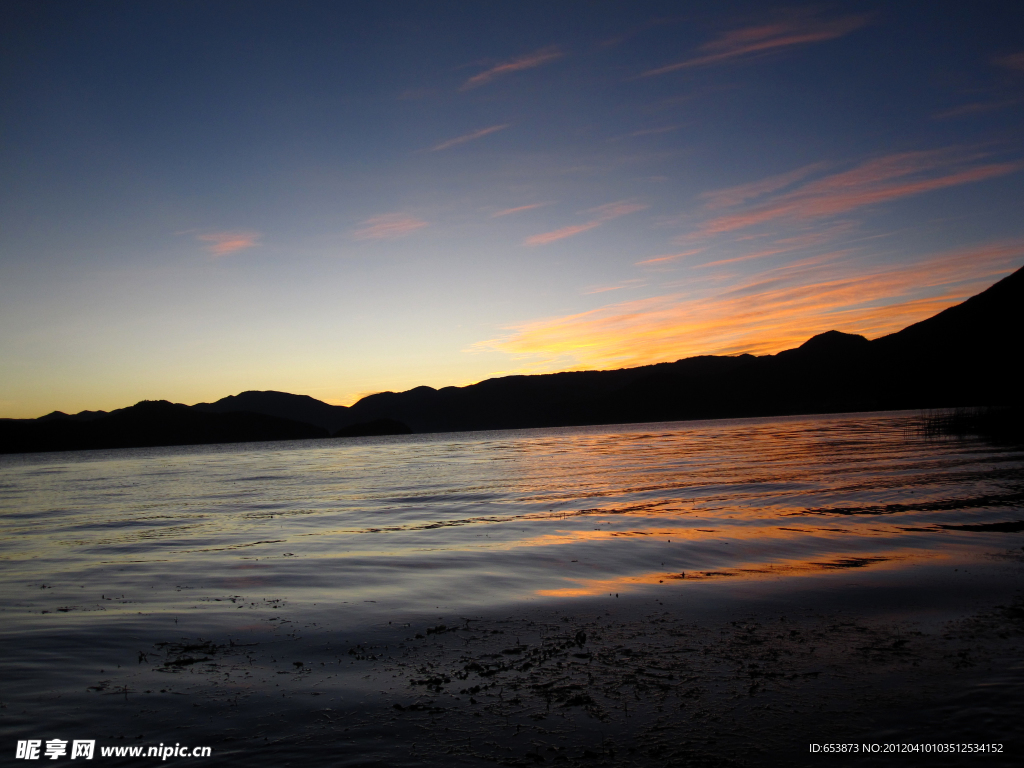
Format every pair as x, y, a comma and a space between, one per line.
770, 312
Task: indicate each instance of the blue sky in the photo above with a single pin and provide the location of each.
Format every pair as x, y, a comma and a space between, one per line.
340, 198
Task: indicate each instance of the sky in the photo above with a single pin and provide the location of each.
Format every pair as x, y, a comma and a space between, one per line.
338, 198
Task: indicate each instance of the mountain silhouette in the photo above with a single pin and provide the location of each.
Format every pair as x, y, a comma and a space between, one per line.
283, 405
375, 428
148, 423
964, 356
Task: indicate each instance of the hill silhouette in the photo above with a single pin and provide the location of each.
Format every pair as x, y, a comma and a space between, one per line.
148, 423
283, 405
375, 428
963, 356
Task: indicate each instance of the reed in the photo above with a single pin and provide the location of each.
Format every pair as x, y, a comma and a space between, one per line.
1000, 423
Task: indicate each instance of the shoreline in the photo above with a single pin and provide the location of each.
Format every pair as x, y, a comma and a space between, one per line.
748, 674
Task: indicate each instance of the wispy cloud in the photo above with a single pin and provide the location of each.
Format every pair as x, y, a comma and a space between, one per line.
519, 209
767, 312
782, 245
669, 257
974, 108
647, 132
223, 243
469, 137
606, 288
875, 181
724, 198
388, 227
748, 42
1013, 61
529, 61
600, 214
560, 234
611, 211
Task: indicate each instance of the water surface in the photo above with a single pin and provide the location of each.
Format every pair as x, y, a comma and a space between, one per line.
473, 519
111, 560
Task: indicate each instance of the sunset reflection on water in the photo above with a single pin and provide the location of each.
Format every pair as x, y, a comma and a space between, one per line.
494, 518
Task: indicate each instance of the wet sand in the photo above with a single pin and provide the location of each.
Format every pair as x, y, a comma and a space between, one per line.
714, 672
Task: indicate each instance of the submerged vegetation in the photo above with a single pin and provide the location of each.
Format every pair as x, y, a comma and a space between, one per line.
1002, 424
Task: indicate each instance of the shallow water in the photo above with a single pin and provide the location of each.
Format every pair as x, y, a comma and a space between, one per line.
482, 519
102, 551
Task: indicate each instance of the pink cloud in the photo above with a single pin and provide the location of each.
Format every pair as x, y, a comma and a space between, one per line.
876, 181
560, 234
388, 227
668, 257
529, 61
768, 312
605, 288
601, 214
975, 108
724, 198
469, 137
1012, 61
614, 210
786, 245
521, 208
750, 41
223, 243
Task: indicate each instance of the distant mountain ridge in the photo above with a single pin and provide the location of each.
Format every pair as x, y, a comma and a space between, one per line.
145, 424
965, 355
283, 405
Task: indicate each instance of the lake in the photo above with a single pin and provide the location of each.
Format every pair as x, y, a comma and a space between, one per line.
150, 593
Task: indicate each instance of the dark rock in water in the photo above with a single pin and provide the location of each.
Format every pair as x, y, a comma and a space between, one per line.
375, 428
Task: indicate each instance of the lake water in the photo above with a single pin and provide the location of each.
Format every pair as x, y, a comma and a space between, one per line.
107, 554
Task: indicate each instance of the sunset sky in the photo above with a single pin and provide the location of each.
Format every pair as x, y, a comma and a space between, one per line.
336, 198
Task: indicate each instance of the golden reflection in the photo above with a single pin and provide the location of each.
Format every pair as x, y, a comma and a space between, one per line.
733, 533
786, 567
